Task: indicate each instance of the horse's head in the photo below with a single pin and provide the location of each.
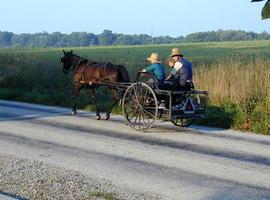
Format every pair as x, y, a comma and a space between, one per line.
69, 61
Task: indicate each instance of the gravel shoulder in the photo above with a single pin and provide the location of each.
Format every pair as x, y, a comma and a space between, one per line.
28, 179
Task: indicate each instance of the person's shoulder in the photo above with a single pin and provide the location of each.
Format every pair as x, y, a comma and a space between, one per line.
186, 60
151, 65
158, 65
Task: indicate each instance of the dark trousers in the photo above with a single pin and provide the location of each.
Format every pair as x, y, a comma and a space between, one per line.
184, 85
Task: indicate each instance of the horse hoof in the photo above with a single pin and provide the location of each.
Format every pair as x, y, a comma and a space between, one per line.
74, 112
107, 117
98, 117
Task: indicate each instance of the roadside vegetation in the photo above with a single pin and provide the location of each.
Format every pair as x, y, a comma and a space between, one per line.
102, 195
236, 74
239, 93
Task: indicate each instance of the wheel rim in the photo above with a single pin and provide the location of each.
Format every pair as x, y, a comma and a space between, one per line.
182, 122
140, 106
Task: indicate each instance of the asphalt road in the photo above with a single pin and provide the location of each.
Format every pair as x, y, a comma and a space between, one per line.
175, 163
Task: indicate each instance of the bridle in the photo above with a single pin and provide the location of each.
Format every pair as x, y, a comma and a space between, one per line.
69, 66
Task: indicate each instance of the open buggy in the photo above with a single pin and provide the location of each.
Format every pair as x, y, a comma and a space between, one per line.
143, 104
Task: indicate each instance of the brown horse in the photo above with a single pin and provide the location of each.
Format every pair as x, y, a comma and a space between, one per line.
96, 73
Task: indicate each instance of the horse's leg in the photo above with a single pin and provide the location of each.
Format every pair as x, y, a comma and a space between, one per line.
75, 92
116, 99
94, 101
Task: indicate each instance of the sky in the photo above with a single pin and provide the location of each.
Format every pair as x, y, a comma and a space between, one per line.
153, 17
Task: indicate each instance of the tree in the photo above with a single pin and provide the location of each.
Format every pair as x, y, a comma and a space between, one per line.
107, 38
265, 10
21, 40
5, 38
124, 40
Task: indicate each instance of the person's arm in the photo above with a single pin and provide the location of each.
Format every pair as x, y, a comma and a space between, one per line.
150, 68
172, 73
168, 77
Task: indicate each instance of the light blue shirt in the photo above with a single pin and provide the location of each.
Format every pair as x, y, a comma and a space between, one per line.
158, 69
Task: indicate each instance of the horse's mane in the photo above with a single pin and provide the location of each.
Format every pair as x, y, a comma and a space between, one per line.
93, 63
83, 61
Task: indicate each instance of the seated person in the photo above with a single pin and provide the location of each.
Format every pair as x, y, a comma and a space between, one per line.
173, 78
181, 74
156, 68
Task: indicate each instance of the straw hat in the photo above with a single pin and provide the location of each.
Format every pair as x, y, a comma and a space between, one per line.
176, 52
154, 58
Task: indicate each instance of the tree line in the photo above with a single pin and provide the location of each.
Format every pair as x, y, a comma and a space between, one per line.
107, 37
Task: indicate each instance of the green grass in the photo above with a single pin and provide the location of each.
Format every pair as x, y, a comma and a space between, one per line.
103, 195
35, 75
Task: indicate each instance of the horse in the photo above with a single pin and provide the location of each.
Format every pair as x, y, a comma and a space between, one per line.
90, 71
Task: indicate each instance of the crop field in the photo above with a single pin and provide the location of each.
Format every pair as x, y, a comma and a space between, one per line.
236, 74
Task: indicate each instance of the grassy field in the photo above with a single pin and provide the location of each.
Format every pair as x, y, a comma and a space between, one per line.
236, 74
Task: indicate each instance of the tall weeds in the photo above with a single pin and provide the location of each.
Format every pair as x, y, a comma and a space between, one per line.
245, 86
235, 80
236, 74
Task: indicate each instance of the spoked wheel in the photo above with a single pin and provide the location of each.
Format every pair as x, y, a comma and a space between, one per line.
139, 106
182, 122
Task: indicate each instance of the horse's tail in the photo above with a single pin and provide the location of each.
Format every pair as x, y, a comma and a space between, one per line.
123, 74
